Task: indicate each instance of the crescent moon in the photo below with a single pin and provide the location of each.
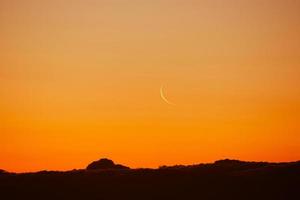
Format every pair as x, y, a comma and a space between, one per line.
162, 95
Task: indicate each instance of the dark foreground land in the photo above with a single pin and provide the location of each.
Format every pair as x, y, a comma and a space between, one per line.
226, 179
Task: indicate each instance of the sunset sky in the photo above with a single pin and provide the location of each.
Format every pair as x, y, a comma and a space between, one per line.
81, 79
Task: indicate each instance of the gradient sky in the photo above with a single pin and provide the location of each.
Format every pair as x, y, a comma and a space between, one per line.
80, 80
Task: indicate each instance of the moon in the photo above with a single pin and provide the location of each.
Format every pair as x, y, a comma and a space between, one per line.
162, 95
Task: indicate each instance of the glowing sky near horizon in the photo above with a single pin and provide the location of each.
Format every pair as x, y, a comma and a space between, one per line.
81, 79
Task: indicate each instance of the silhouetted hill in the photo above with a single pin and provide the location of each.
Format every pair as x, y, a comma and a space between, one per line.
224, 179
104, 163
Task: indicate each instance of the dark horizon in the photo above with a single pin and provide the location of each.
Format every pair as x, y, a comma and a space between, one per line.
159, 167
105, 180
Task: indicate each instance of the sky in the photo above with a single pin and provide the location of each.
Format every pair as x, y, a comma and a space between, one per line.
80, 80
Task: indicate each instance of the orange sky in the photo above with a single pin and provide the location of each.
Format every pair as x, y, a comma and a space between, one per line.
80, 80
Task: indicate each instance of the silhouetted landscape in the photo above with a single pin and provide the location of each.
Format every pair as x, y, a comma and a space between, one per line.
103, 179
